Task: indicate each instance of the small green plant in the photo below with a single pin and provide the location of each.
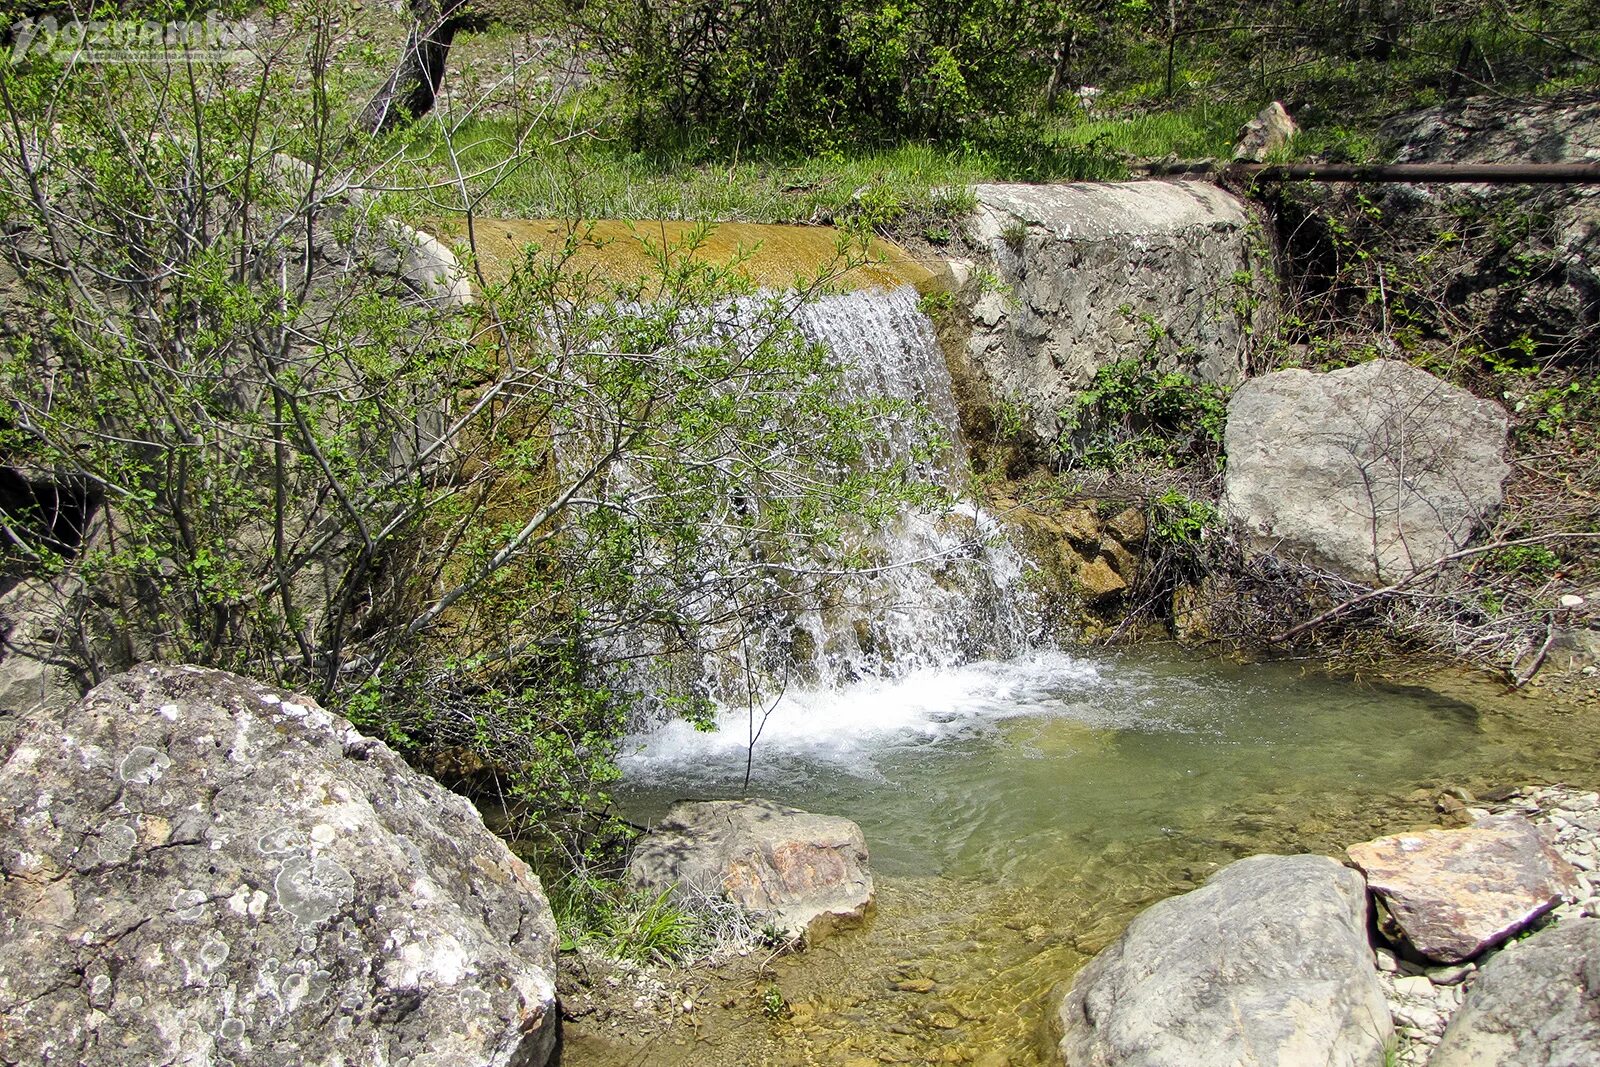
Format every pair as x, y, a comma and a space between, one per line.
1518, 358
1009, 419
773, 1005
641, 927
1132, 409
1177, 520
652, 929
1534, 561
988, 281
1014, 233
877, 208
1545, 412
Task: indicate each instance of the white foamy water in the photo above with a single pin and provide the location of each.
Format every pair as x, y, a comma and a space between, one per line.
849, 728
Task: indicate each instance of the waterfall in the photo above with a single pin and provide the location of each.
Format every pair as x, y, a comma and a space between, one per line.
950, 587
939, 587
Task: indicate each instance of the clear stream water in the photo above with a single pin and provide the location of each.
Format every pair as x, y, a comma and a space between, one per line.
1019, 813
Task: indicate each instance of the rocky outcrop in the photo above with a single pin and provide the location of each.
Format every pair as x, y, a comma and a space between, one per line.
1082, 559
1424, 997
202, 869
1536, 1004
1266, 964
1371, 472
804, 874
1448, 895
1080, 276
1523, 259
1419, 1003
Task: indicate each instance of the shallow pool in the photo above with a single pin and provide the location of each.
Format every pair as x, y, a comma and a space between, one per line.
1020, 813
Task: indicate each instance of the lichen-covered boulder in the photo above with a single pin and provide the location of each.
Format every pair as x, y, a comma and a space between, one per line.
1451, 894
802, 873
1371, 472
200, 869
1266, 965
1081, 276
1536, 1004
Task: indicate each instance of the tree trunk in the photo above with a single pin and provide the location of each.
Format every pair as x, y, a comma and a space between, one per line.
413, 88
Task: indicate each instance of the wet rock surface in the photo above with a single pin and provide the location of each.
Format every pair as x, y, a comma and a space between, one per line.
1371, 472
1267, 963
802, 873
199, 868
1448, 895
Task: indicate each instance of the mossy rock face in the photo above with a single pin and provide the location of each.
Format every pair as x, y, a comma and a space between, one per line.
1098, 582
621, 251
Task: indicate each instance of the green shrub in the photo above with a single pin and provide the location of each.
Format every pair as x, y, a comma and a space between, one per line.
822, 74
1132, 409
462, 525
625, 925
1178, 521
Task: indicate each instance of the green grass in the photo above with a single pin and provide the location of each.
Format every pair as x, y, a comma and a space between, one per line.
576, 160
623, 925
1198, 131
543, 172
596, 176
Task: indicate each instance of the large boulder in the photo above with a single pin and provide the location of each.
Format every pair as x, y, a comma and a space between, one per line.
804, 874
1266, 964
1081, 276
1449, 895
1536, 1004
202, 869
1372, 472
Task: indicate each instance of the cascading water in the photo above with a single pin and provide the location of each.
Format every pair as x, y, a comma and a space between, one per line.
1021, 804
930, 588
945, 588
